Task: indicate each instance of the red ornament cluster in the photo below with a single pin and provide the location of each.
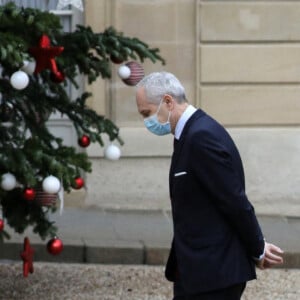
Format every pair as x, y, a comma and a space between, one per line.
54, 246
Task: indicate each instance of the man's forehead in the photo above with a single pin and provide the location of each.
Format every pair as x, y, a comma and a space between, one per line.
141, 97
144, 107
143, 104
140, 92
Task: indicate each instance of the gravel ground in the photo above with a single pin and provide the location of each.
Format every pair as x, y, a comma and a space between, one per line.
122, 282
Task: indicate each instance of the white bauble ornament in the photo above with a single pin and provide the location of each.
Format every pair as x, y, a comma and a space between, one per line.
51, 185
112, 152
8, 182
19, 80
124, 72
29, 66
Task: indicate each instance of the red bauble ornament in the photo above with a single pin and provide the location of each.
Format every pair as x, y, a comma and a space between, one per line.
55, 246
27, 257
84, 141
1, 224
29, 194
78, 183
44, 55
136, 73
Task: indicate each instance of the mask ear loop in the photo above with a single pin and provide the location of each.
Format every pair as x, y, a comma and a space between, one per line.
168, 120
159, 106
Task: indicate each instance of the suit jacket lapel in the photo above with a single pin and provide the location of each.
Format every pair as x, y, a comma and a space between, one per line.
179, 144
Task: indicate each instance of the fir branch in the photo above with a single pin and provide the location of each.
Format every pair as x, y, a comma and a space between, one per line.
27, 147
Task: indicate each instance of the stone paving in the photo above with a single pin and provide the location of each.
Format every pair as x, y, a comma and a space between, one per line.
122, 282
109, 255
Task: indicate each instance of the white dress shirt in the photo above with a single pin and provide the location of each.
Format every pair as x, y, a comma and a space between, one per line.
182, 120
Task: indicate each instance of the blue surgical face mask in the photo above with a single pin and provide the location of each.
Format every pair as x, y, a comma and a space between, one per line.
153, 125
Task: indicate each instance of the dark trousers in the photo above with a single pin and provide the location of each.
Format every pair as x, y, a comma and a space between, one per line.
230, 293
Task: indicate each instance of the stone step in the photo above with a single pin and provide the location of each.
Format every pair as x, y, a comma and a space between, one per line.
133, 237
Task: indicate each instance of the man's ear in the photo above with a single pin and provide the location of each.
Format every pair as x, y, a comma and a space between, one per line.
169, 100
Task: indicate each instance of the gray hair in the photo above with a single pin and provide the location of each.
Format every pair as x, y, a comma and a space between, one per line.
158, 84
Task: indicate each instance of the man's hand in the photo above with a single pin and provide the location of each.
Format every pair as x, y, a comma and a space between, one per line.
273, 257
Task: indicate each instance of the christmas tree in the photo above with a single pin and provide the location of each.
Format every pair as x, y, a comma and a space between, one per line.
37, 63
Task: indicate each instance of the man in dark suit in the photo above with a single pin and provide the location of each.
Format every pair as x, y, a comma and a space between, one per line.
217, 239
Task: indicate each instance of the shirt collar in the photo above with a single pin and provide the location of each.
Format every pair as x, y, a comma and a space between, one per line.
183, 119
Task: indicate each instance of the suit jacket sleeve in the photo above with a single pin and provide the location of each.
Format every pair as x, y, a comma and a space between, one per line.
219, 169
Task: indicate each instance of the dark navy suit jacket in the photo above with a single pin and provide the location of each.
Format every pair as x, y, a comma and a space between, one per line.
216, 233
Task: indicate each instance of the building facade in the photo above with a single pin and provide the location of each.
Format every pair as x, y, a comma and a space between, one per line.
240, 62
